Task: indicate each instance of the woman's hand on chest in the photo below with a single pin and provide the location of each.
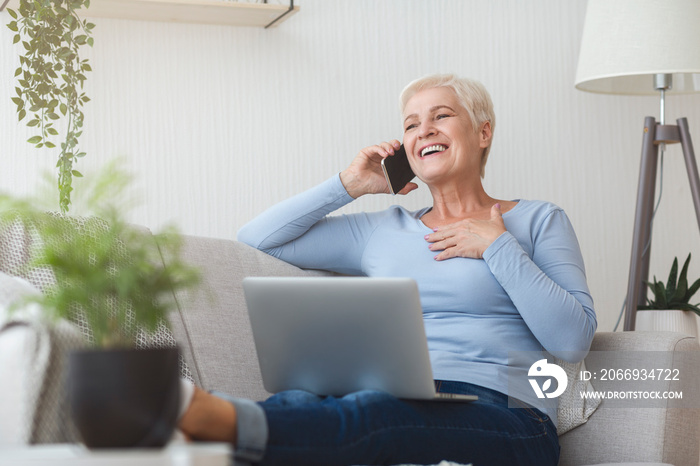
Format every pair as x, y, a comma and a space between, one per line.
467, 238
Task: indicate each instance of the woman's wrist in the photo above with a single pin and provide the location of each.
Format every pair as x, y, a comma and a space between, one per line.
350, 184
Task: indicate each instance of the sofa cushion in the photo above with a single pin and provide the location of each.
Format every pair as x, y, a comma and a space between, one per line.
17, 244
214, 322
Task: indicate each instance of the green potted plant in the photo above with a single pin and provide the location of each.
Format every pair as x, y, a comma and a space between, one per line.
670, 308
112, 280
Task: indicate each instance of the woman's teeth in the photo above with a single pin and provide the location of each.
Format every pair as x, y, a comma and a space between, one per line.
432, 149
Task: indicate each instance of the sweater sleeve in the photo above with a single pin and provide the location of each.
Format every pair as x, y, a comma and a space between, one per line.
549, 289
300, 231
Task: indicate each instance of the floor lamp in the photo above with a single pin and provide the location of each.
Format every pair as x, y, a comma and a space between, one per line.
639, 47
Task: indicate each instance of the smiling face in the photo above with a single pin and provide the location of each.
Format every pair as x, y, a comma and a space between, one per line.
440, 141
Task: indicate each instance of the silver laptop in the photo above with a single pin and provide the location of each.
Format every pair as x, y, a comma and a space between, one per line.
337, 335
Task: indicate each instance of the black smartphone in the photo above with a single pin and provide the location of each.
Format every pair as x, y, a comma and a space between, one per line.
397, 170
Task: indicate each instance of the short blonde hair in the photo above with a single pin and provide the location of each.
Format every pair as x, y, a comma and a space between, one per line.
471, 94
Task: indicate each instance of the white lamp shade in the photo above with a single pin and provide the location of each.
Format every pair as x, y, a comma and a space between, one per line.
626, 42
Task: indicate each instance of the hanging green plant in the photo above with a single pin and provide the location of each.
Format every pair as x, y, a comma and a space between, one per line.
51, 76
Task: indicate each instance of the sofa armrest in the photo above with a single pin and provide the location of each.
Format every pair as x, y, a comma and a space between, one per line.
642, 434
212, 327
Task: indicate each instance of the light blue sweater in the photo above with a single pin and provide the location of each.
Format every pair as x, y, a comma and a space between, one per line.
528, 296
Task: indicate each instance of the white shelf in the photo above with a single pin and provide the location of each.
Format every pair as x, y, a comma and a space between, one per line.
187, 11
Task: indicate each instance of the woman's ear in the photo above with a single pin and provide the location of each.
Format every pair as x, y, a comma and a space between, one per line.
485, 134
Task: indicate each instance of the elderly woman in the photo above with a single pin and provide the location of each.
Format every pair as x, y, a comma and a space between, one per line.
495, 277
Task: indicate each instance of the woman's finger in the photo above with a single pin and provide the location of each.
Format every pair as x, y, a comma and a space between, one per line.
408, 188
443, 244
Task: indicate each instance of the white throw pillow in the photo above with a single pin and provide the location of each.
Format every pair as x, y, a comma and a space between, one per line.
12, 291
15, 363
32, 363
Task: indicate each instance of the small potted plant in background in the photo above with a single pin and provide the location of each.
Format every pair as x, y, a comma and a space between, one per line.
670, 308
113, 282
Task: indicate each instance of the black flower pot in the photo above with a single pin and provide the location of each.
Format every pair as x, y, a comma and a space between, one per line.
124, 398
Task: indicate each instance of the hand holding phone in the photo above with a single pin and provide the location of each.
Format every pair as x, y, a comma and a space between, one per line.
397, 170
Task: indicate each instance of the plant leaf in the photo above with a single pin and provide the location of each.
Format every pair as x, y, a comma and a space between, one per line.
684, 271
688, 307
660, 294
679, 295
672, 278
691, 291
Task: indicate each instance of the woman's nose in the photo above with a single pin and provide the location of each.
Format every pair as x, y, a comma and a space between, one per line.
425, 130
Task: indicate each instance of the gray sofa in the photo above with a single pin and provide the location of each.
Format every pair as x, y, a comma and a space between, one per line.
212, 330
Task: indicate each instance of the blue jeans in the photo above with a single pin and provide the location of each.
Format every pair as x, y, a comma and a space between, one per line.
371, 427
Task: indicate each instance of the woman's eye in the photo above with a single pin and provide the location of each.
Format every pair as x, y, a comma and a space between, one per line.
410, 127
440, 117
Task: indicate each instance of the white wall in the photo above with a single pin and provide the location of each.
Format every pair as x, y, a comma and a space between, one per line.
220, 122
